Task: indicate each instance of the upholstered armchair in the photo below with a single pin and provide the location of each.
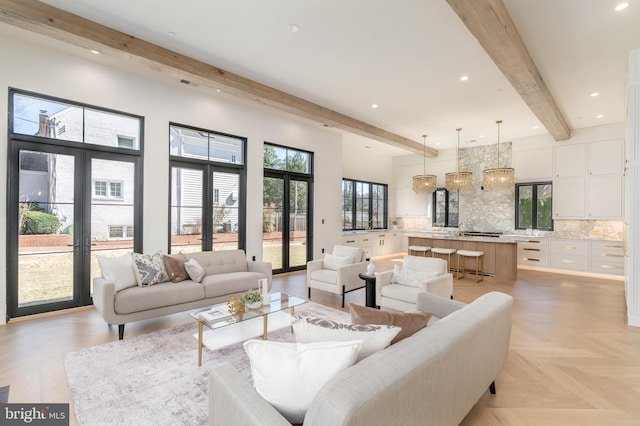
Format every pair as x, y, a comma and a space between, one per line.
398, 289
338, 272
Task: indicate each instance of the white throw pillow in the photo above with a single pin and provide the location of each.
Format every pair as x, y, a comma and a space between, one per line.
149, 269
410, 277
289, 375
334, 262
194, 270
354, 253
118, 270
374, 337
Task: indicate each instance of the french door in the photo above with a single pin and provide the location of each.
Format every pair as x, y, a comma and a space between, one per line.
286, 221
206, 208
66, 206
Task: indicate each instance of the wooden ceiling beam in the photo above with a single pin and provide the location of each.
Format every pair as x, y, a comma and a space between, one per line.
49, 21
490, 23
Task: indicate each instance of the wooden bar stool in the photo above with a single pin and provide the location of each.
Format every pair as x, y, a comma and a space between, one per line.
479, 262
419, 250
447, 251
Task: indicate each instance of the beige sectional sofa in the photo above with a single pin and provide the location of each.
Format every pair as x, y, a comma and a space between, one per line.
433, 377
225, 273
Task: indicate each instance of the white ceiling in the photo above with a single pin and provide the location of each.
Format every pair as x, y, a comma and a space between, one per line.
407, 56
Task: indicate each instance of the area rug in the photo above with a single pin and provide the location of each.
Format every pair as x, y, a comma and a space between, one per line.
4, 394
154, 379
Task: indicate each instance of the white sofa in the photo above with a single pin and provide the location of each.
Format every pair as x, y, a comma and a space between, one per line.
226, 272
433, 377
342, 279
402, 297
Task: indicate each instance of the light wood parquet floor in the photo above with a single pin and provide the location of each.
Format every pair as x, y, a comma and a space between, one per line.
572, 359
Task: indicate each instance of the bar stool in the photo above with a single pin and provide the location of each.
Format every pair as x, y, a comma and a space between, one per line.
447, 251
419, 250
479, 262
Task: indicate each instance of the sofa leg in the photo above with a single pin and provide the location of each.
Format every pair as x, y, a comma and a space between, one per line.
120, 331
343, 296
492, 388
309, 293
452, 297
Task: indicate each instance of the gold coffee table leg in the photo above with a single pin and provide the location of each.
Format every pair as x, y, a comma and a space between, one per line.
200, 345
264, 327
292, 312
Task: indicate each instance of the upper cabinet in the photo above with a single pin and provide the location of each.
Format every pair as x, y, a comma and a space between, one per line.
534, 164
588, 182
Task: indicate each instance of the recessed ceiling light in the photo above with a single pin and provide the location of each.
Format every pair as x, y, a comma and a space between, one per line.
218, 90
95, 52
294, 28
464, 78
535, 127
599, 116
622, 6
374, 106
481, 136
437, 143
594, 94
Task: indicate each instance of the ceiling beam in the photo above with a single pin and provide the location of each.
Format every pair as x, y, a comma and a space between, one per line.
490, 23
44, 19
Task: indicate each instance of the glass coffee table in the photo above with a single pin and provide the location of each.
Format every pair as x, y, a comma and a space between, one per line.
218, 316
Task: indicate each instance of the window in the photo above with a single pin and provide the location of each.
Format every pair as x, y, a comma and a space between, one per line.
216, 195
120, 231
201, 144
534, 206
34, 161
287, 159
364, 205
445, 208
107, 189
125, 142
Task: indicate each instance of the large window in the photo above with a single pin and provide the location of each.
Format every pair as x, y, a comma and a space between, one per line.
445, 208
364, 205
533, 206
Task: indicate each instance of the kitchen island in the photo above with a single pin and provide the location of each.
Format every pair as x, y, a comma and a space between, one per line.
500, 254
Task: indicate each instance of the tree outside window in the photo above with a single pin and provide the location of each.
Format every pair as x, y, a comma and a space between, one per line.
534, 206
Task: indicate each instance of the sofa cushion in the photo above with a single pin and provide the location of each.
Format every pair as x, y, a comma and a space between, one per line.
409, 322
410, 277
325, 275
194, 270
334, 262
118, 270
230, 283
221, 262
136, 299
175, 267
374, 337
289, 375
149, 269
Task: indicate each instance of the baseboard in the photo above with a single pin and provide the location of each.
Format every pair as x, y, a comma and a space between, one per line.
569, 272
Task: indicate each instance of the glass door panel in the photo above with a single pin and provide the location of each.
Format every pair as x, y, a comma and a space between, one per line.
298, 195
112, 211
46, 203
225, 209
186, 210
272, 223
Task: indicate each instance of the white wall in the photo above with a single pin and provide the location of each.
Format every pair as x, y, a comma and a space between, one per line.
74, 74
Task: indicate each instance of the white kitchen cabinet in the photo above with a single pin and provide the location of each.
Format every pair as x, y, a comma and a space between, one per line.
571, 161
533, 252
534, 164
569, 254
384, 243
569, 198
604, 197
605, 158
607, 257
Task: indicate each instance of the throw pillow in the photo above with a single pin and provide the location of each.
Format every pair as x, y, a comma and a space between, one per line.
410, 322
354, 253
118, 270
289, 375
374, 337
410, 277
194, 270
334, 262
175, 267
149, 269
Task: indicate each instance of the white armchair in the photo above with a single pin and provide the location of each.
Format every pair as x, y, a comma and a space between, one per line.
338, 272
398, 289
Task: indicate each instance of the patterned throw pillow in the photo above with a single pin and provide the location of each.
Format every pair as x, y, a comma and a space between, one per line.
406, 276
410, 322
374, 337
149, 269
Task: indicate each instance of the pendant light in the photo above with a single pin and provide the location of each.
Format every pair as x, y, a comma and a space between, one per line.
458, 181
500, 178
424, 183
